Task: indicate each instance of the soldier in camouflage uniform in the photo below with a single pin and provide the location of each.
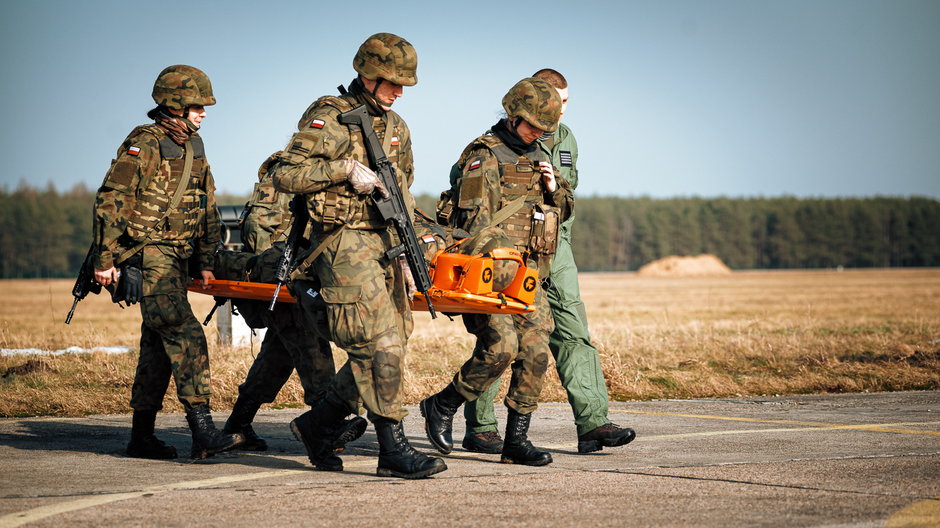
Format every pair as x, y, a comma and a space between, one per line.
288, 344
508, 183
153, 212
576, 360
367, 307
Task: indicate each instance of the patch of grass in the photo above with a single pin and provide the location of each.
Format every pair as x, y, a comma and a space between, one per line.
872, 330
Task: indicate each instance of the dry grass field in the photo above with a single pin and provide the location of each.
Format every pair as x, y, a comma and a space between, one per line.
748, 333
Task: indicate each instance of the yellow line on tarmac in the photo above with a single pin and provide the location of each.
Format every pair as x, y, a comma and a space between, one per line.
925, 513
27, 516
878, 428
647, 438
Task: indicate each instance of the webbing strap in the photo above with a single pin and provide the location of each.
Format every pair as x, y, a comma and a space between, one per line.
174, 203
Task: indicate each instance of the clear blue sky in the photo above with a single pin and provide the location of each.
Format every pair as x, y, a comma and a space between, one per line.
668, 98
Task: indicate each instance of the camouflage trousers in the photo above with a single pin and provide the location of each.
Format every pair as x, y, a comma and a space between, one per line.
289, 345
367, 315
519, 342
172, 342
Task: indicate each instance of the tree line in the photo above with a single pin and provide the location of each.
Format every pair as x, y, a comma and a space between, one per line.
45, 233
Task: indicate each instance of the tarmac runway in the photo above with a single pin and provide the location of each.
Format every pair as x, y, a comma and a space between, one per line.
859, 460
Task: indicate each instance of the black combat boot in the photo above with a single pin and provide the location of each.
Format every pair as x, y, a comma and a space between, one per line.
396, 456
243, 413
438, 411
607, 435
143, 443
517, 449
348, 431
207, 440
486, 442
324, 432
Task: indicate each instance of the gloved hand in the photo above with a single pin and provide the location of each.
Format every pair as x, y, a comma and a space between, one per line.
133, 279
410, 286
362, 179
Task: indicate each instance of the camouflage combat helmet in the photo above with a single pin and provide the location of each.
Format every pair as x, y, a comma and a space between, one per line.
536, 101
388, 57
180, 86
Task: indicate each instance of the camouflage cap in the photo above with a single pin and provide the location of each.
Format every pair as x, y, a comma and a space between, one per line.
181, 86
536, 101
388, 57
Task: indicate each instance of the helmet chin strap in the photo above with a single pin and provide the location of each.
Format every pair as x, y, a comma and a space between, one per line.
185, 118
375, 89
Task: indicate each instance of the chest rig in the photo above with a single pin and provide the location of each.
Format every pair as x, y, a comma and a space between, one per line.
338, 204
532, 225
178, 225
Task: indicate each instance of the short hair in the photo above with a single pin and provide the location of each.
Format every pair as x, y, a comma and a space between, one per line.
552, 77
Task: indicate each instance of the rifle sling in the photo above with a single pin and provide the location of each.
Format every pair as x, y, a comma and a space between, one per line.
309, 259
174, 203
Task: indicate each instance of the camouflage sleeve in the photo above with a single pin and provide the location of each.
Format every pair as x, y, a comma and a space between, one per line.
406, 169
478, 191
137, 161
311, 161
212, 234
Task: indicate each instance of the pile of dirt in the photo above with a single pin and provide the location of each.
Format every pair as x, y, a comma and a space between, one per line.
698, 266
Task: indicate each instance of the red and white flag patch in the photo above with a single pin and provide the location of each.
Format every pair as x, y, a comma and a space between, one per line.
317, 123
133, 151
394, 140
427, 239
475, 164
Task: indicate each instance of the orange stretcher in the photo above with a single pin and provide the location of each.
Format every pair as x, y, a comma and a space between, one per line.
460, 284
260, 291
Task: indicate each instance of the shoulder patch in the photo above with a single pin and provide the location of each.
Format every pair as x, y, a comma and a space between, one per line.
133, 151
565, 157
474, 165
317, 123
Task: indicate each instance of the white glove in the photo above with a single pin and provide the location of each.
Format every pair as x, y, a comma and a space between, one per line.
409, 278
362, 179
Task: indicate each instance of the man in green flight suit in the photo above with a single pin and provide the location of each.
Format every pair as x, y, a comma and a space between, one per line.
576, 359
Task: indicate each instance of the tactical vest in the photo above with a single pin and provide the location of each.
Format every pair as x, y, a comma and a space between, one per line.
267, 217
533, 226
338, 204
154, 194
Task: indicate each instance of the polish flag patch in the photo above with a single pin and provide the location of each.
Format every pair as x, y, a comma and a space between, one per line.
134, 151
317, 123
394, 140
475, 165
427, 239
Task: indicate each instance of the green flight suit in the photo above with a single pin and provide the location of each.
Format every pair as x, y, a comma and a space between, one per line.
576, 359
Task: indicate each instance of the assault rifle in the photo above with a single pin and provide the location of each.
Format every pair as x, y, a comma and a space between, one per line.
298, 207
85, 283
392, 208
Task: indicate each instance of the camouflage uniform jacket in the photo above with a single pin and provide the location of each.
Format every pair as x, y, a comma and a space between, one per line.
267, 218
138, 189
312, 164
491, 177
